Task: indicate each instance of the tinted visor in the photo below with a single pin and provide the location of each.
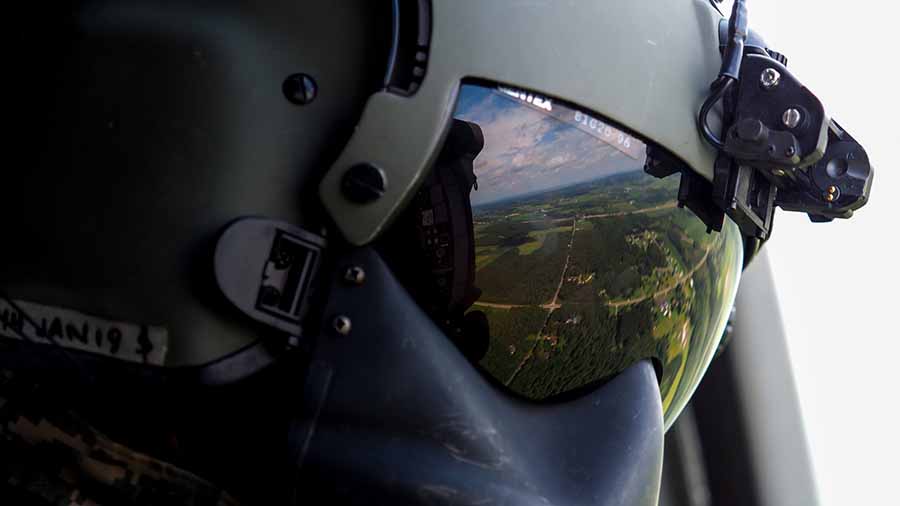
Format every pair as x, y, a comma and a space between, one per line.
566, 263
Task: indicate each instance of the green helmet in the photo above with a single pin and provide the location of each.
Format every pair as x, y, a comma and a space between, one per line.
430, 226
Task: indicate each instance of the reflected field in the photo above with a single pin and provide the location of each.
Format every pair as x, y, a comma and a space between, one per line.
584, 262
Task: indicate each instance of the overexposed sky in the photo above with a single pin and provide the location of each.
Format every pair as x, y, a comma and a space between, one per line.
838, 283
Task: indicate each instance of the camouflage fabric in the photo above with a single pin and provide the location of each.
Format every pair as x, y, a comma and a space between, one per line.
53, 458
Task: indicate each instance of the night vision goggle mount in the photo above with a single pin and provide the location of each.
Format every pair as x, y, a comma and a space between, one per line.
779, 148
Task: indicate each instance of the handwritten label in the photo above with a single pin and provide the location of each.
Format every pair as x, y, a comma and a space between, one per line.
37, 323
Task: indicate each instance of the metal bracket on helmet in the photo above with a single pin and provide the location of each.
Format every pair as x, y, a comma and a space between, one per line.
781, 143
779, 148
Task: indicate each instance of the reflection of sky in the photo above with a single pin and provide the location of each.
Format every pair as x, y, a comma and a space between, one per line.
526, 151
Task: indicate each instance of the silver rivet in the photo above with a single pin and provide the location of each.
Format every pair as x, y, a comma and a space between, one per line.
342, 325
770, 78
791, 118
355, 275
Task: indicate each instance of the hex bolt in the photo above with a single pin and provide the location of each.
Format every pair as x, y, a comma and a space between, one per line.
342, 325
363, 183
791, 118
355, 275
770, 78
299, 89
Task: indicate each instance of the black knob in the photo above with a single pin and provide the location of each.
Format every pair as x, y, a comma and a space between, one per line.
752, 130
363, 183
299, 89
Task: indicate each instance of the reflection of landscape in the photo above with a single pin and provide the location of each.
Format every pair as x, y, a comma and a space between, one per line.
580, 282
592, 266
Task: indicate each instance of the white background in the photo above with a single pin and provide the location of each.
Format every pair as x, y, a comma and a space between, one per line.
838, 283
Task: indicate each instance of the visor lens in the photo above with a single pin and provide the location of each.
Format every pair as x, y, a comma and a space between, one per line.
584, 263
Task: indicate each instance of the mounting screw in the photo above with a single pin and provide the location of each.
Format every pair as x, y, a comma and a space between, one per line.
791, 118
299, 89
355, 275
341, 325
770, 78
293, 342
830, 197
363, 183
790, 151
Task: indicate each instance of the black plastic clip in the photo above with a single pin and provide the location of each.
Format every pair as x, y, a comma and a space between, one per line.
266, 267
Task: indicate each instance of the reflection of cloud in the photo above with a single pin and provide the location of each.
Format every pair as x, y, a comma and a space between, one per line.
526, 151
